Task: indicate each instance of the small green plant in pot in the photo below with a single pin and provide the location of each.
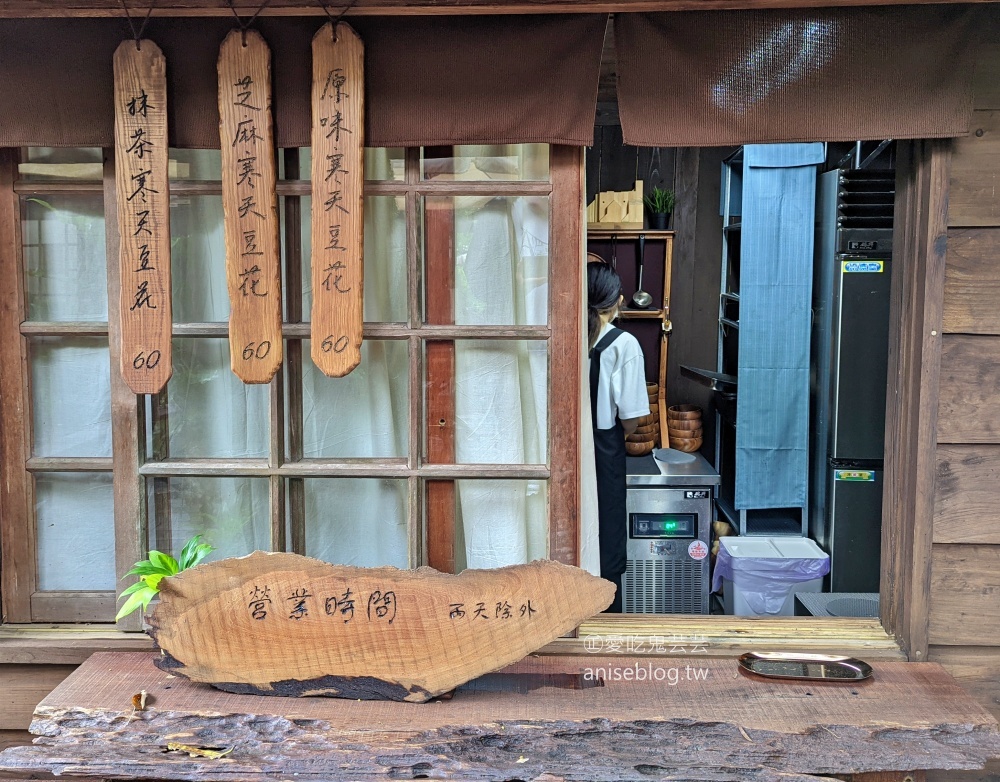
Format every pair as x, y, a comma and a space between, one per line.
660, 203
154, 569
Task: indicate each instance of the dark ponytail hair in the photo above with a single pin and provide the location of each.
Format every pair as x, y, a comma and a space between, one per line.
604, 286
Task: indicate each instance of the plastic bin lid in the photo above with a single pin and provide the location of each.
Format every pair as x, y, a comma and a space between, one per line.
799, 548
758, 548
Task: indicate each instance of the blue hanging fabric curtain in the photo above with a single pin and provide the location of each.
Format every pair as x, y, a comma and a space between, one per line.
776, 262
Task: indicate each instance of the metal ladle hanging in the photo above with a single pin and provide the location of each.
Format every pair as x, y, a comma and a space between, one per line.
640, 298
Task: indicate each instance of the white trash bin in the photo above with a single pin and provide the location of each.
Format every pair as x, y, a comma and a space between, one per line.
760, 575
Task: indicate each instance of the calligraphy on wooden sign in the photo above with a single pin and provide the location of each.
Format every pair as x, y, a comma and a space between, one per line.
250, 206
338, 221
141, 158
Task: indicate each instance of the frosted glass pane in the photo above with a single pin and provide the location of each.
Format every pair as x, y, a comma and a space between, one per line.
210, 411
196, 164
501, 259
362, 414
65, 259
500, 401
496, 161
385, 259
501, 523
198, 260
71, 397
76, 531
380, 163
356, 521
231, 514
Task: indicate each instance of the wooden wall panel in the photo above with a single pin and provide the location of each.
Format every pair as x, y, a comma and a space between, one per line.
986, 79
975, 176
967, 495
969, 407
965, 589
22, 687
972, 281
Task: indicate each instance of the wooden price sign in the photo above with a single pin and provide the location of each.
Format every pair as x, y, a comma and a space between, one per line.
141, 157
250, 206
338, 221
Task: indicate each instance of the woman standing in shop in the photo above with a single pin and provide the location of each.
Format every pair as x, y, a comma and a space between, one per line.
618, 400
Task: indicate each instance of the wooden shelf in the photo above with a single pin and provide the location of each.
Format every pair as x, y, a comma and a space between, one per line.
630, 314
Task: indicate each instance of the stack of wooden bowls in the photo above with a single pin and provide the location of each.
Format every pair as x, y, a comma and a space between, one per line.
647, 436
684, 427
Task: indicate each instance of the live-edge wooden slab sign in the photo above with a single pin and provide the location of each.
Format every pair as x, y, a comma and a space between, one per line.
141, 157
284, 624
250, 206
338, 223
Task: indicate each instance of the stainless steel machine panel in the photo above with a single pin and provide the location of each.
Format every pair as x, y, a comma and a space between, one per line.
669, 534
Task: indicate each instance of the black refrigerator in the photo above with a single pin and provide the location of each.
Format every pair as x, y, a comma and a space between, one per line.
853, 268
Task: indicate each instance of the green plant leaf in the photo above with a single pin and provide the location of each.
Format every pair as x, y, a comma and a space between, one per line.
194, 552
153, 580
139, 598
165, 563
147, 568
134, 588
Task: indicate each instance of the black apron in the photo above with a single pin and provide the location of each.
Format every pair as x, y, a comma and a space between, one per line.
609, 451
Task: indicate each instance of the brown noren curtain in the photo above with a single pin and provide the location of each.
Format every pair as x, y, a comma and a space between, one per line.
823, 74
429, 80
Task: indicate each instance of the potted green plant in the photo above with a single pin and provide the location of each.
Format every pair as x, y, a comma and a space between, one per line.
660, 203
154, 569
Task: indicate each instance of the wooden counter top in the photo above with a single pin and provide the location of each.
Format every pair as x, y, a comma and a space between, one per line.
691, 718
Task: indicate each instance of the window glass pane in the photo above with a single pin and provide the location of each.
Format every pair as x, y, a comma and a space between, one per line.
385, 259
381, 163
71, 396
198, 260
501, 258
231, 514
48, 163
196, 164
500, 523
65, 259
210, 411
356, 521
76, 531
524, 162
500, 401
362, 414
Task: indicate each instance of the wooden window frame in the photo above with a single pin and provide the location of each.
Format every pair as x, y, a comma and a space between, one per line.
916, 314
130, 468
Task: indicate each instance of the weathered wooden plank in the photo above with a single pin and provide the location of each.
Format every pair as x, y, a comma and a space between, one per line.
566, 365
965, 585
991, 773
914, 354
972, 281
338, 220
536, 720
143, 195
18, 566
101, 8
966, 494
283, 624
976, 669
969, 410
21, 689
128, 429
986, 77
73, 606
250, 206
975, 176
42, 645
439, 369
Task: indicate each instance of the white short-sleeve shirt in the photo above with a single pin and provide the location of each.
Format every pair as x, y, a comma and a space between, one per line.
621, 388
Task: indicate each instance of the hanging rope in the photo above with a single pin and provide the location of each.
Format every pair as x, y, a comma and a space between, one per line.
245, 27
137, 33
334, 21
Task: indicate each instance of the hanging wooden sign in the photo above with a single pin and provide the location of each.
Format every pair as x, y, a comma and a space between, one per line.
250, 206
141, 182
338, 220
